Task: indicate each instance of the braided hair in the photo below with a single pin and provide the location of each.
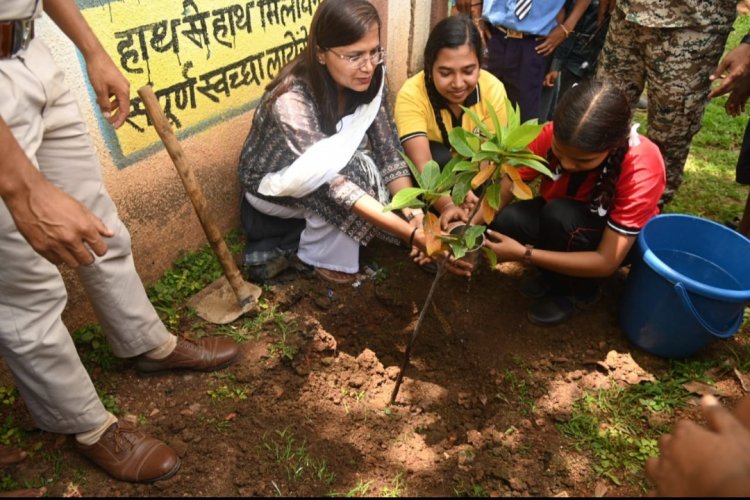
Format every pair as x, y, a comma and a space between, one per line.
452, 32
595, 116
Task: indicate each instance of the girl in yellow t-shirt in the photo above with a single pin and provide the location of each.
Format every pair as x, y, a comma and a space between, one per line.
428, 106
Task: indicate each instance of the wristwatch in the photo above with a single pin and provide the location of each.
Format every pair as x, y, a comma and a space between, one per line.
746, 39
413, 213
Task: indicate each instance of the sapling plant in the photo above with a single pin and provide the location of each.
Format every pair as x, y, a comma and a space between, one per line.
480, 161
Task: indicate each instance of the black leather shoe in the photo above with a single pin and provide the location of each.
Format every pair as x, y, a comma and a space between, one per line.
551, 311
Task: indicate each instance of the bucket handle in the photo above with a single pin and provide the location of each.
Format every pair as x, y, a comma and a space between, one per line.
683, 294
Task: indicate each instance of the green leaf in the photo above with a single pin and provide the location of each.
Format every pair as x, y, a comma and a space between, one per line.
458, 249
534, 164
461, 187
430, 175
413, 168
466, 166
491, 256
522, 136
445, 180
472, 114
486, 155
472, 234
490, 146
514, 114
462, 141
495, 120
492, 193
407, 197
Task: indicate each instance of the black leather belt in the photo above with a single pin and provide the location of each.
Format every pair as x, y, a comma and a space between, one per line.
15, 36
511, 33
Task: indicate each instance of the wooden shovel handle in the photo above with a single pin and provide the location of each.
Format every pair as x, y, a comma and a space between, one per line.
164, 129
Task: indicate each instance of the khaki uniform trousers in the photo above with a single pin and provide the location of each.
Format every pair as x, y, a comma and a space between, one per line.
44, 118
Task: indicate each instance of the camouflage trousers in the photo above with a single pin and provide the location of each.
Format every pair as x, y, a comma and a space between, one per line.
674, 63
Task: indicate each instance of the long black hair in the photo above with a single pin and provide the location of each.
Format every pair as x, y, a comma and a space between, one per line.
336, 23
595, 116
452, 32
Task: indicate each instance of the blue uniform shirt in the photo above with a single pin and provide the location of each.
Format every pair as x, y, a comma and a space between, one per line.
539, 21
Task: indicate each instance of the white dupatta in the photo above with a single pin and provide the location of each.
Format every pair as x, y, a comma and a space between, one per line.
324, 159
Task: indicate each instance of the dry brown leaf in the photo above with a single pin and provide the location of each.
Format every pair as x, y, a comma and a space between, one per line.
601, 489
431, 232
744, 380
700, 388
488, 213
485, 171
519, 188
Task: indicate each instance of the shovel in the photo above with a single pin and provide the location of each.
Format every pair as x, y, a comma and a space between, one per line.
229, 297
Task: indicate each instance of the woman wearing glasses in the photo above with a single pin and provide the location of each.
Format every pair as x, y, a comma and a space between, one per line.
322, 157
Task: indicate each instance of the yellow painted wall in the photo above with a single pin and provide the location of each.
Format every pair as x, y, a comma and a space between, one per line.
208, 61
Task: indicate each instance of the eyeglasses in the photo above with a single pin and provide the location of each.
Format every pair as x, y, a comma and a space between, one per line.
360, 60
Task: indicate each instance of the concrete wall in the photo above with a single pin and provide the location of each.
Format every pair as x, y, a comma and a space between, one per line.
138, 173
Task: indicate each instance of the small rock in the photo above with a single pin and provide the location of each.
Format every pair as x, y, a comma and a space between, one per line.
357, 380
517, 484
179, 446
392, 372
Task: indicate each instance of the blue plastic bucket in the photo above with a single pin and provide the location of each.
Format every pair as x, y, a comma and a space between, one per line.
689, 284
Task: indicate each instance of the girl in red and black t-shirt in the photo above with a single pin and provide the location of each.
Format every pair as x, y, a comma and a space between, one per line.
607, 185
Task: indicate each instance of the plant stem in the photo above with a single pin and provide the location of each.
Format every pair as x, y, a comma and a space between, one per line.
417, 327
427, 302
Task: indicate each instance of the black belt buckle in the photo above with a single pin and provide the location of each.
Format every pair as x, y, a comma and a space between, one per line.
15, 36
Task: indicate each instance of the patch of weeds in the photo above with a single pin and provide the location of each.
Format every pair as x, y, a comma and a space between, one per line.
283, 328
220, 425
357, 396
10, 432
94, 350
241, 332
470, 490
379, 274
189, 274
282, 448
109, 402
361, 489
397, 488
7, 483
225, 392
621, 426
521, 392
8, 395
55, 460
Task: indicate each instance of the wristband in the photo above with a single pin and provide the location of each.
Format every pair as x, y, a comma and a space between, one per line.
413, 213
746, 39
411, 238
527, 254
567, 33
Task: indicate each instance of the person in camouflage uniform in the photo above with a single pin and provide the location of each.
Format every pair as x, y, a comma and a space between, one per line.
672, 47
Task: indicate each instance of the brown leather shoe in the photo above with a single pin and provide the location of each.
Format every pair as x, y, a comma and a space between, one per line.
128, 454
208, 354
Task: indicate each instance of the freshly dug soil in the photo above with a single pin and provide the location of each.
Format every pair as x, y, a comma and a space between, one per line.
476, 414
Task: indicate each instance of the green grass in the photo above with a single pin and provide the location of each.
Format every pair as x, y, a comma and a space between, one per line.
291, 456
709, 189
188, 275
620, 426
